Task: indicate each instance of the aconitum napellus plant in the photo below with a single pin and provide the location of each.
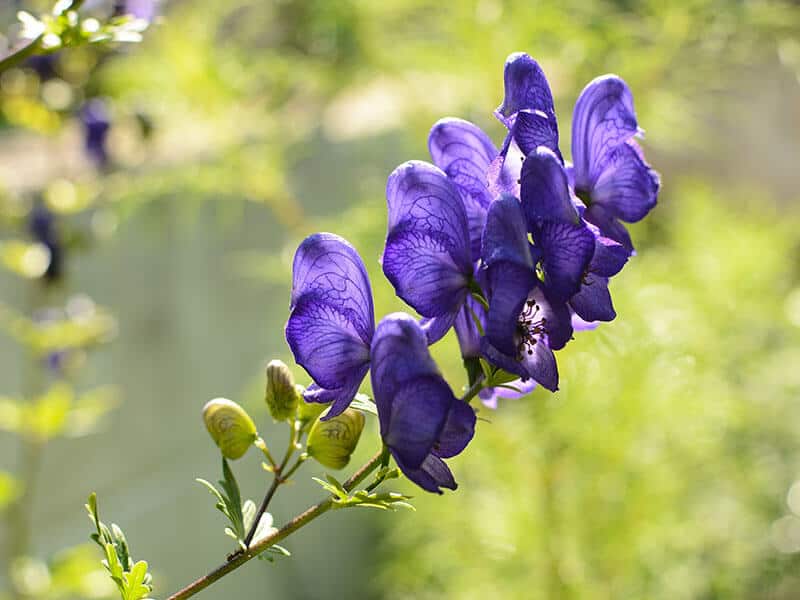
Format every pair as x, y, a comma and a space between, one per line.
508, 245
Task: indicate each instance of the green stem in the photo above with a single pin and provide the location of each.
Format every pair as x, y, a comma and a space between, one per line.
299, 521
474, 389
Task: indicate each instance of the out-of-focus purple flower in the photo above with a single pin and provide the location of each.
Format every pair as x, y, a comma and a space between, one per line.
610, 174
43, 229
43, 64
332, 319
96, 122
141, 9
421, 421
427, 256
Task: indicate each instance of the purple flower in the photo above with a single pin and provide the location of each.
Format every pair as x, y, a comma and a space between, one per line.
42, 227
332, 319
421, 421
610, 174
427, 257
96, 123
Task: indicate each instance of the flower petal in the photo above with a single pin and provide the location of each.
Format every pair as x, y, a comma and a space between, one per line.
539, 365
533, 128
340, 398
609, 257
505, 238
544, 191
593, 301
603, 119
566, 250
325, 341
509, 286
526, 87
627, 186
431, 475
490, 396
464, 152
435, 328
419, 409
330, 268
458, 430
466, 331
556, 315
419, 265
609, 227
428, 244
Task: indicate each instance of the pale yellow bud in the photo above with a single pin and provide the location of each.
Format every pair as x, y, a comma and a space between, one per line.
281, 394
332, 442
230, 427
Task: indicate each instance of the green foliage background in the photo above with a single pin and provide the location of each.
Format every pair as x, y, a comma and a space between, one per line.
662, 467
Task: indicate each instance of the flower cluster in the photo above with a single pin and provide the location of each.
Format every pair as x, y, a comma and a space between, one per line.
512, 247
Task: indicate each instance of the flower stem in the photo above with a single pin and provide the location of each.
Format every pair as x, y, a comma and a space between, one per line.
299, 521
474, 389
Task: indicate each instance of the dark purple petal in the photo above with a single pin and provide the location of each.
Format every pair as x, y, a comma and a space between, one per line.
526, 87
503, 174
419, 265
566, 251
325, 342
505, 238
609, 257
626, 186
510, 285
593, 301
328, 267
603, 119
544, 190
399, 354
432, 475
608, 226
435, 328
539, 365
457, 431
419, 409
532, 129
556, 316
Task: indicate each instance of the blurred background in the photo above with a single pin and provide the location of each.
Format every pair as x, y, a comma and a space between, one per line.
151, 198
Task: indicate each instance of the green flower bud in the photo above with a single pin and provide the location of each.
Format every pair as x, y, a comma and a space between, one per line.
281, 395
230, 427
332, 442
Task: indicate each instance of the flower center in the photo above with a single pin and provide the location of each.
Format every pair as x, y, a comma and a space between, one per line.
530, 326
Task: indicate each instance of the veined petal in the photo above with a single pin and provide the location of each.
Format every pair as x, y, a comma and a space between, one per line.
544, 190
509, 285
593, 301
505, 238
609, 257
526, 87
420, 197
608, 226
432, 475
603, 119
340, 398
490, 396
626, 186
328, 267
533, 128
325, 341
539, 365
420, 266
464, 152
466, 330
566, 250
556, 316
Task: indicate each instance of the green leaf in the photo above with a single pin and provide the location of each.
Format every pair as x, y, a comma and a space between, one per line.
365, 404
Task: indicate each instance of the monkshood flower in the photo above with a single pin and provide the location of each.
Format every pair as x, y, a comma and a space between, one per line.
421, 421
332, 319
609, 172
96, 123
427, 257
42, 227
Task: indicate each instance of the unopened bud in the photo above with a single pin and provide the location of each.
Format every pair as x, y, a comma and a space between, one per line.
332, 442
281, 395
230, 427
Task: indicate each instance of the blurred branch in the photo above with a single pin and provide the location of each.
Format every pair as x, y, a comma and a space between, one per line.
299, 521
16, 57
